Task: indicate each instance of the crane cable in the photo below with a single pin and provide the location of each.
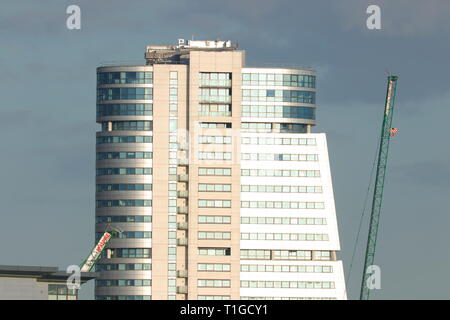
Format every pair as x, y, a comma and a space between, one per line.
362, 215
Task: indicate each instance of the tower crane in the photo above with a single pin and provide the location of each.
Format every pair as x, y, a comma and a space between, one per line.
386, 132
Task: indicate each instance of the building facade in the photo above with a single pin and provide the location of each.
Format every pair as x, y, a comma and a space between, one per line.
38, 283
210, 170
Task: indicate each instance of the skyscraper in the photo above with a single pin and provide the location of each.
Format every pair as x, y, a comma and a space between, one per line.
209, 170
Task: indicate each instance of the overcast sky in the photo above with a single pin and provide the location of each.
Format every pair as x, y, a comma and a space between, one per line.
47, 117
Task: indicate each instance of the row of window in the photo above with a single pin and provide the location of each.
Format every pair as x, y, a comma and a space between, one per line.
288, 284
214, 203
217, 283
278, 112
214, 251
273, 127
124, 109
124, 155
123, 171
214, 125
215, 95
277, 79
214, 171
287, 221
287, 298
214, 219
125, 139
279, 157
214, 110
282, 204
122, 266
279, 173
124, 187
214, 235
137, 219
260, 254
123, 297
213, 297
285, 268
214, 139
123, 283
129, 253
285, 236
129, 235
215, 79
219, 267
281, 189
123, 203
214, 155
128, 125
270, 95
278, 141
214, 187
106, 94
135, 77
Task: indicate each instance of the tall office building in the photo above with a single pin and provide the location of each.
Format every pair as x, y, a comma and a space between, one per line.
209, 169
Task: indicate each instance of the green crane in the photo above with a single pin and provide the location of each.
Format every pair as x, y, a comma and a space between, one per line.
386, 132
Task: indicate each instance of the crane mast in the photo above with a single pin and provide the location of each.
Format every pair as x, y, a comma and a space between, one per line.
379, 184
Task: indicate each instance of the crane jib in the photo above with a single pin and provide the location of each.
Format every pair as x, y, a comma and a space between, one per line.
379, 186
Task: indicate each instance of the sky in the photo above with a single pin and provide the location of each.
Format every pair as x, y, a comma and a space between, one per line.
47, 117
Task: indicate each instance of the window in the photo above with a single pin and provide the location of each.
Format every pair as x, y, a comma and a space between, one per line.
123, 203
288, 284
214, 79
278, 111
264, 95
214, 219
214, 139
124, 155
214, 171
137, 219
271, 79
124, 109
128, 125
214, 110
61, 292
214, 187
106, 94
214, 235
214, 251
128, 253
213, 283
215, 125
278, 141
123, 171
124, 139
217, 267
214, 155
124, 78
124, 187
283, 220
273, 127
279, 173
282, 205
214, 203
279, 157
285, 236
281, 189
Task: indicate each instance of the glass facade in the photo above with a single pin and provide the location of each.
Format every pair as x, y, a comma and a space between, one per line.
278, 79
124, 109
106, 94
275, 95
124, 78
